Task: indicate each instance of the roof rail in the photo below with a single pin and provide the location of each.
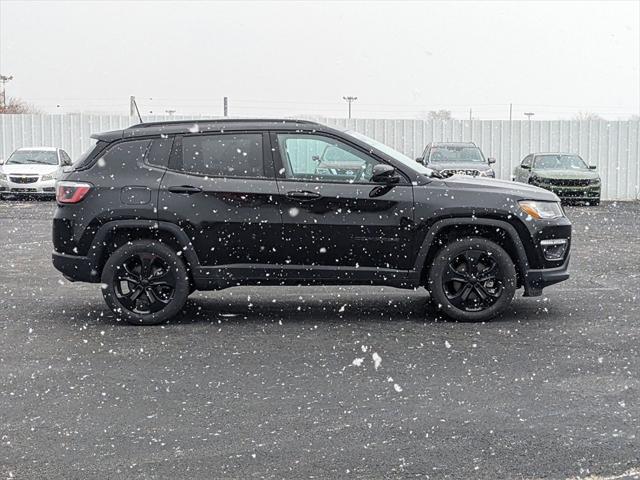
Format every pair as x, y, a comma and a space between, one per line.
219, 120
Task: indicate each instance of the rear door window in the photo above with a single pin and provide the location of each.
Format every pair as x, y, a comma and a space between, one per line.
223, 155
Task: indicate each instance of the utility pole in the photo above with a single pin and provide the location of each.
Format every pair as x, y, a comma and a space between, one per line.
471, 115
510, 112
350, 100
4, 79
225, 108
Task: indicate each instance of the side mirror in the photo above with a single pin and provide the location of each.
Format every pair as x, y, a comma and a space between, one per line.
491, 160
419, 159
591, 167
383, 173
316, 158
525, 167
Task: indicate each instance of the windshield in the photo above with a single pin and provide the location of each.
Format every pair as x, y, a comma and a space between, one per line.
400, 157
40, 157
455, 153
559, 162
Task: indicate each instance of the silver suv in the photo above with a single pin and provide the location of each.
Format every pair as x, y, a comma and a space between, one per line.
462, 158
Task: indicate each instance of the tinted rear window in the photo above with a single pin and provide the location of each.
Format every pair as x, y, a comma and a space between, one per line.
89, 154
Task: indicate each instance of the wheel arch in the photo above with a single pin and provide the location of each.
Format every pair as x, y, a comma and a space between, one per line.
112, 235
447, 230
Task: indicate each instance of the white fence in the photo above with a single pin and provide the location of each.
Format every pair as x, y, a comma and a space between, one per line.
614, 147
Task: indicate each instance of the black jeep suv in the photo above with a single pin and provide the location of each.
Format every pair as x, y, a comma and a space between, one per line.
158, 210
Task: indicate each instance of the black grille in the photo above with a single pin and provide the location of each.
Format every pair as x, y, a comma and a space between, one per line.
569, 183
23, 179
462, 171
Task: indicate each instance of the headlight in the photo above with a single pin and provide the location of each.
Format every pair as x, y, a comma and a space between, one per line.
3, 177
594, 181
488, 173
541, 210
46, 178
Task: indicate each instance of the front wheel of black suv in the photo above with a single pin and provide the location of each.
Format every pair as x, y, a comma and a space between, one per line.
145, 283
472, 279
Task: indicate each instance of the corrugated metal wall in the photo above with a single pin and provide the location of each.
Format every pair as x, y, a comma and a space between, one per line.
614, 147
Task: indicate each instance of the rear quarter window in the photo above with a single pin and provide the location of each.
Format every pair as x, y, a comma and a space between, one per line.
124, 153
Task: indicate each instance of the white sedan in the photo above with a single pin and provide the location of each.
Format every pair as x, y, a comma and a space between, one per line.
32, 171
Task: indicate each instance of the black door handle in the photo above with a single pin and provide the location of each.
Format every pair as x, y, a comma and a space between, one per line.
185, 189
303, 195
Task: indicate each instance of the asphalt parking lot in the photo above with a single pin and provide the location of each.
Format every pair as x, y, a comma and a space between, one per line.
322, 382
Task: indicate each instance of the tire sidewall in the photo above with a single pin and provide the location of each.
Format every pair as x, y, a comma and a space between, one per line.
441, 262
115, 261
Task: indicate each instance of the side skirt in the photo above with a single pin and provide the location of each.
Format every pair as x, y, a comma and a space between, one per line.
225, 276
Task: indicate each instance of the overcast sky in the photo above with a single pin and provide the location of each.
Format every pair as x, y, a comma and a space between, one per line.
285, 58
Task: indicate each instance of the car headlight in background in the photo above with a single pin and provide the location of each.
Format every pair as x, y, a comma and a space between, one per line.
594, 181
541, 210
488, 173
48, 177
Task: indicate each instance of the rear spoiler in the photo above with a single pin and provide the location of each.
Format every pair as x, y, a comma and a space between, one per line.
108, 136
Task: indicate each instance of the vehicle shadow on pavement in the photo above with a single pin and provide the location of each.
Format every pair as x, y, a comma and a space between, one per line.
356, 305
353, 306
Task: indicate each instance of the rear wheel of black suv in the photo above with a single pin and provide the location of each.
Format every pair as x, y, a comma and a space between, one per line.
472, 280
145, 283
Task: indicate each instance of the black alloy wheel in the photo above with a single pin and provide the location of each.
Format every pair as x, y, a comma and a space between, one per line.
145, 282
472, 279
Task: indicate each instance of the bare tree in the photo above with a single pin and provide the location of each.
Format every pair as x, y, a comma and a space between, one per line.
16, 105
587, 116
439, 115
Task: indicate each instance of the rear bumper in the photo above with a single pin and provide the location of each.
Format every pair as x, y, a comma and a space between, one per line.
536, 280
75, 268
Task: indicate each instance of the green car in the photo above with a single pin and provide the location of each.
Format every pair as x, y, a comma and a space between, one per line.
565, 174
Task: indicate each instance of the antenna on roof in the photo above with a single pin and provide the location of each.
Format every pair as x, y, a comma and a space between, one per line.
133, 106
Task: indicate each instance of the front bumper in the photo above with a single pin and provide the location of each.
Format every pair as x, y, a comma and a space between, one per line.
536, 280
591, 192
43, 188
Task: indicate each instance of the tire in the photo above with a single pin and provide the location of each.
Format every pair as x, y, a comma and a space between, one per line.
145, 283
475, 268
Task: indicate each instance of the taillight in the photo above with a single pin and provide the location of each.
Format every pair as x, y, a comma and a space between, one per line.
71, 192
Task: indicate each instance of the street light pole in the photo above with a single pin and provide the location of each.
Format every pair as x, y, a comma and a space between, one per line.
529, 115
350, 100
